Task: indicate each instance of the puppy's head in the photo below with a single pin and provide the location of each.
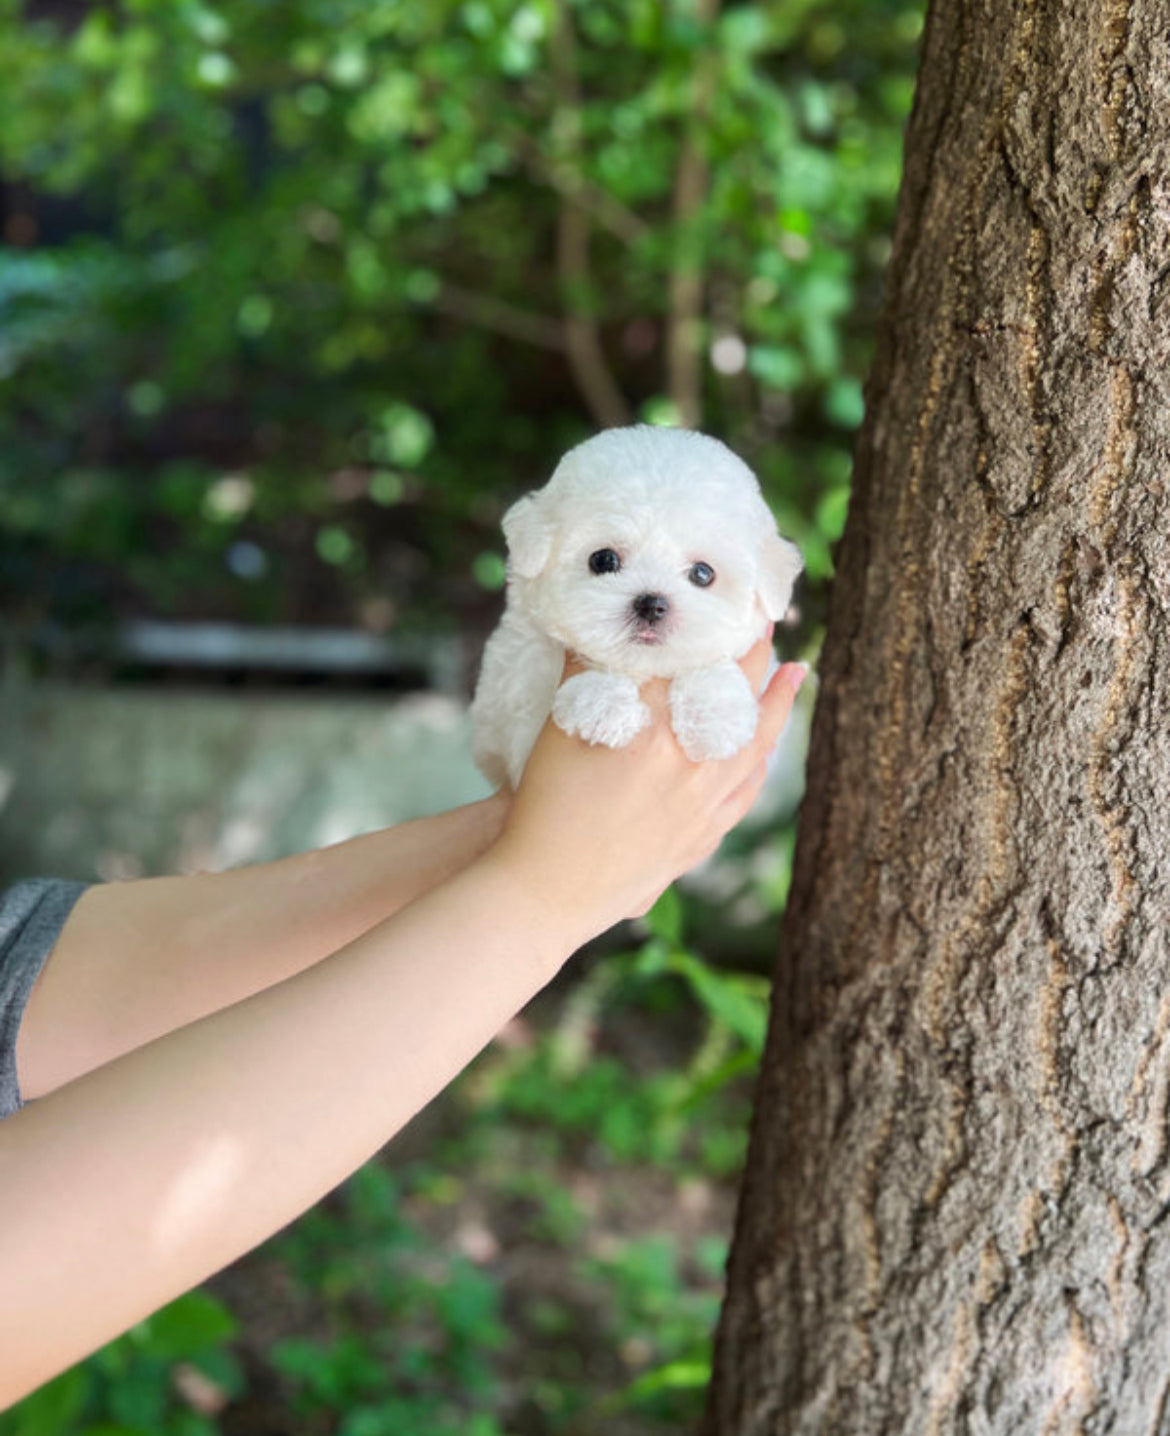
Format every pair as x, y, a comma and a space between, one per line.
650, 551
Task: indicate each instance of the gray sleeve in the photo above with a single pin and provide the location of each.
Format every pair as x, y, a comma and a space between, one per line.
32, 915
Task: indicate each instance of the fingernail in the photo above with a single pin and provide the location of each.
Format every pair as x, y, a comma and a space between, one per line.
797, 673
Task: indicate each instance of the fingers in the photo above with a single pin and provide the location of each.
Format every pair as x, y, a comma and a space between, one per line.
748, 770
741, 800
776, 703
755, 661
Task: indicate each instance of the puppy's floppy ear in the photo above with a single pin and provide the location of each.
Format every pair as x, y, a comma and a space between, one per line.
528, 534
780, 566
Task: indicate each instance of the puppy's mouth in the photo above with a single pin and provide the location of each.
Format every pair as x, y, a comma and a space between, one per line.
645, 635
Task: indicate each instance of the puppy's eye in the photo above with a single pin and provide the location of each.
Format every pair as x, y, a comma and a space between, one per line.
702, 575
604, 560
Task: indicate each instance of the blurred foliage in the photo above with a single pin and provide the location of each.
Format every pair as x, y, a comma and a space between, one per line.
378, 1276
289, 293
150, 1382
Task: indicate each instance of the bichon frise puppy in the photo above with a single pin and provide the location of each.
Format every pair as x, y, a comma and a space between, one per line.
650, 553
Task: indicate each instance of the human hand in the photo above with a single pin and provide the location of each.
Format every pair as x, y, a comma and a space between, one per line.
597, 833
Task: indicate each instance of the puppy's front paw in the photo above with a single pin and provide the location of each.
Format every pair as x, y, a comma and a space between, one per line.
713, 711
601, 708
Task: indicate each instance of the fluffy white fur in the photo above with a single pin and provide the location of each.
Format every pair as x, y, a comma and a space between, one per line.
662, 501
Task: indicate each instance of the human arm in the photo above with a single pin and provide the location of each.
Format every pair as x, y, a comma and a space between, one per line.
139, 959
123, 1189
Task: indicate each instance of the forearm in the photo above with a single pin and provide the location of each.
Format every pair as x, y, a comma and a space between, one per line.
139, 959
324, 898
124, 1189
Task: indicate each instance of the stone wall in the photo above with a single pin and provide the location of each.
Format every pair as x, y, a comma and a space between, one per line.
124, 782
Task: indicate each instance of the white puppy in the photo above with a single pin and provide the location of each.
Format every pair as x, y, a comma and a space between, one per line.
650, 553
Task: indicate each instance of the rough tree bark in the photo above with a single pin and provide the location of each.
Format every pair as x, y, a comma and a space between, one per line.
956, 1215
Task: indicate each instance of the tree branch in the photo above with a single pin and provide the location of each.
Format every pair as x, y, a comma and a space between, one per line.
488, 312
582, 340
684, 358
568, 181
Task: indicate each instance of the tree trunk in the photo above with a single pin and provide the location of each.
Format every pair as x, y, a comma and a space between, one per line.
955, 1214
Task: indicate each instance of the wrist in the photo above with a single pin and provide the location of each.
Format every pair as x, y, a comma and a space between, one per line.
552, 924
490, 815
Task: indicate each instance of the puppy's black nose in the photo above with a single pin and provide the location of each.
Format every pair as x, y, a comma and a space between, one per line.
651, 607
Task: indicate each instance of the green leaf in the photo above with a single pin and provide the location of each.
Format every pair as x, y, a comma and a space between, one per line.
402, 435
776, 365
490, 571
51, 1411
186, 1327
334, 544
652, 959
682, 1375
831, 514
665, 918
117, 1428
94, 44
662, 411
844, 403
746, 29
255, 315
737, 1000
386, 487
740, 1063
